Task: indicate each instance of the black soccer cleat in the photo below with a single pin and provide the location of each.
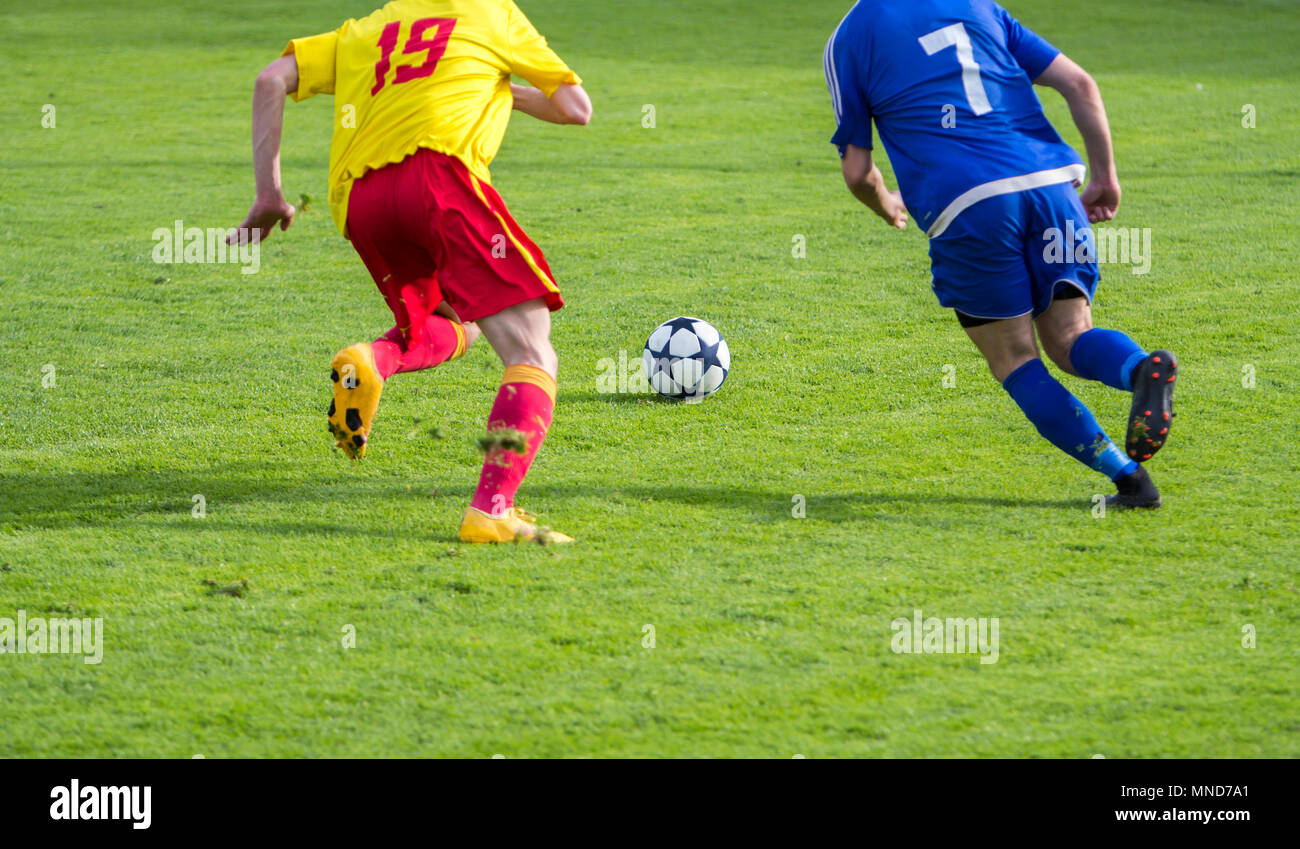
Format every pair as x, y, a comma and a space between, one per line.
1136, 491
1152, 413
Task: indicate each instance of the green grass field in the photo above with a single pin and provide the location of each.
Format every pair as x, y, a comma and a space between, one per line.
1120, 636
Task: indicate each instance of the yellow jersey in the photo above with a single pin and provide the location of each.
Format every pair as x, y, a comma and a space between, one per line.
422, 73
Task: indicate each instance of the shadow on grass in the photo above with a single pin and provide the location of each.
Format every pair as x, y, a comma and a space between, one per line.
34, 501
775, 506
645, 398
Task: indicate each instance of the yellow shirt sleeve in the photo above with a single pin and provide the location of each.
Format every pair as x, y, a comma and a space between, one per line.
316, 59
533, 59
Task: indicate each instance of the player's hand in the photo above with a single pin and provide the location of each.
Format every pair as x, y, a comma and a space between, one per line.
1101, 200
261, 220
895, 211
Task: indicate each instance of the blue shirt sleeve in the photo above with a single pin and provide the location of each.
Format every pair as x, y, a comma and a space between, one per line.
849, 101
1032, 52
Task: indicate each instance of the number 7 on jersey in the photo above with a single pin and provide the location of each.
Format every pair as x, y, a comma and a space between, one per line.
955, 35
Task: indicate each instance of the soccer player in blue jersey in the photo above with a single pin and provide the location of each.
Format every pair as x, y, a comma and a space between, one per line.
949, 85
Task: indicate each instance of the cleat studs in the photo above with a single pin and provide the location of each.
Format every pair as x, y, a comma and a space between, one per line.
1155, 359
1132, 452
1172, 378
1155, 375
1146, 456
1147, 413
1166, 415
1163, 431
353, 418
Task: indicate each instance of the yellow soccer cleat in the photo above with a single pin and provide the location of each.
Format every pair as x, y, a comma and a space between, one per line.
515, 526
357, 387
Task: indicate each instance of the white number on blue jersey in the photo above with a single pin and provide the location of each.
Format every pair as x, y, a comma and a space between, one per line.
955, 35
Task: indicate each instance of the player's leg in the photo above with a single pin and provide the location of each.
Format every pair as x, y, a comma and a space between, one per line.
517, 425
1079, 348
1065, 321
1010, 348
495, 275
1112, 358
384, 214
471, 328
360, 371
1068, 283
355, 373
443, 337
1006, 345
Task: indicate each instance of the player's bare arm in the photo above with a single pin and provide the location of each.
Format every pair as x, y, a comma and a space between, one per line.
570, 104
277, 81
868, 185
1080, 90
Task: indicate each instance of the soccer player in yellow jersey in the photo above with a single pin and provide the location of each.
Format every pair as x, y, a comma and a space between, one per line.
422, 95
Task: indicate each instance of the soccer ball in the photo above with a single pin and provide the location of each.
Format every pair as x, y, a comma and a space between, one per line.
686, 359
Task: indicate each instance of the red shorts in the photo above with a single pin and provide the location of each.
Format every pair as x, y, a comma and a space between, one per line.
428, 230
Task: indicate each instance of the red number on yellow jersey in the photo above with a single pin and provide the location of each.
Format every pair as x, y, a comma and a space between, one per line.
434, 48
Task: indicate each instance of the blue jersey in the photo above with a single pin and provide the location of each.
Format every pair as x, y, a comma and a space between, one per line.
949, 85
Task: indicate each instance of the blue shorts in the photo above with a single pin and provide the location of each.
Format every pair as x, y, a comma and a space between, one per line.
1008, 255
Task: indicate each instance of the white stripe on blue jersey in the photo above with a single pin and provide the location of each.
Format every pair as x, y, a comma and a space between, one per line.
832, 78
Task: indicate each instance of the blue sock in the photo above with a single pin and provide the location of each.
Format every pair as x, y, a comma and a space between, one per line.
1064, 421
1108, 356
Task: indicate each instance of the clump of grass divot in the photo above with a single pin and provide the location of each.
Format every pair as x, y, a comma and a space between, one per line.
495, 442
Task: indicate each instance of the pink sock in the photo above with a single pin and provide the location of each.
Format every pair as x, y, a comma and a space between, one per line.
525, 403
440, 339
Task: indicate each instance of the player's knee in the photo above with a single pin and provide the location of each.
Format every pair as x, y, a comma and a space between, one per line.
1006, 362
1060, 354
537, 353
1058, 343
